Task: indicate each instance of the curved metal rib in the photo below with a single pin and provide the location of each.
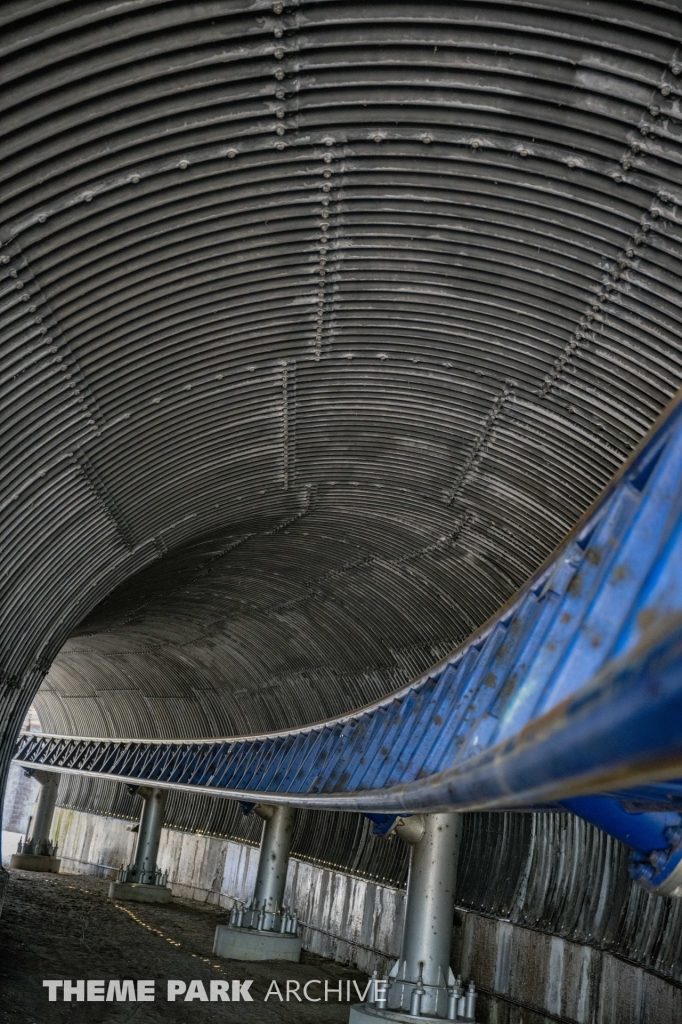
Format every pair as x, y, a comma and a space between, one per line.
574, 687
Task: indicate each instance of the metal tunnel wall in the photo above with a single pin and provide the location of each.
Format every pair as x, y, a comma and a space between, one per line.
335, 316
320, 325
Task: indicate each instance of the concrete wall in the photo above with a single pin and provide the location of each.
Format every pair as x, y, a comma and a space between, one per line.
91, 843
345, 918
525, 976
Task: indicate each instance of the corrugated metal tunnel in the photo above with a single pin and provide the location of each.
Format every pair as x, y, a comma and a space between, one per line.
321, 324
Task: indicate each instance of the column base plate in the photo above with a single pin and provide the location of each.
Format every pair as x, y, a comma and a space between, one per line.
360, 1013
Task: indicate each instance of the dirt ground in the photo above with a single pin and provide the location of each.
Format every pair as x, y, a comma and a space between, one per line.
63, 926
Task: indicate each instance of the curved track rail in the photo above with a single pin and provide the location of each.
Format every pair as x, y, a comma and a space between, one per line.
574, 687
391, 273
384, 292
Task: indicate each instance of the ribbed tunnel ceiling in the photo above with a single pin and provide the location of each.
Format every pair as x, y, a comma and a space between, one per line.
327, 319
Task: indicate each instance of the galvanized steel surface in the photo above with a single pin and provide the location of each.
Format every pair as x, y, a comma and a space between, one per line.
275, 846
382, 395
429, 906
573, 687
376, 296
41, 820
149, 834
559, 875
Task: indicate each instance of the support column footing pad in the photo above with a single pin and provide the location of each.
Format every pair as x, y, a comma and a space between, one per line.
35, 862
139, 893
250, 944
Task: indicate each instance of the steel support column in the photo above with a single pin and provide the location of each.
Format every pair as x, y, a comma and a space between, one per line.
38, 834
149, 833
264, 929
37, 852
278, 832
429, 912
142, 880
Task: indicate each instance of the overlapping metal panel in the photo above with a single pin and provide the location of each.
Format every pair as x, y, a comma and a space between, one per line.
336, 315
572, 688
382, 349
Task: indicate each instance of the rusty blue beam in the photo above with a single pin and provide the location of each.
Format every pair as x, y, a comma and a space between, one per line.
573, 689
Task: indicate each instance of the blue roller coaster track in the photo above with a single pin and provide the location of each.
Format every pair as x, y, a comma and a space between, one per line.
571, 695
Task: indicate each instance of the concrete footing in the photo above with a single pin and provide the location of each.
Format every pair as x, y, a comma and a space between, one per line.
250, 944
35, 862
137, 892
